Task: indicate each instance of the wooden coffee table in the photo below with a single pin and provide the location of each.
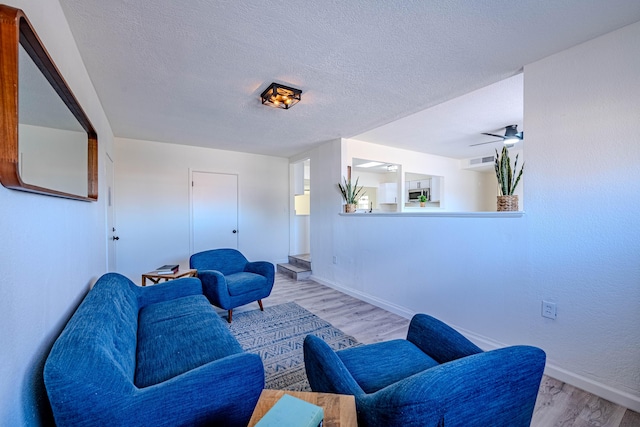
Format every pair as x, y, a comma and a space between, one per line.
339, 409
155, 278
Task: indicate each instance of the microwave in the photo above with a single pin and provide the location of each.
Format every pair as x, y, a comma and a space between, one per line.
414, 195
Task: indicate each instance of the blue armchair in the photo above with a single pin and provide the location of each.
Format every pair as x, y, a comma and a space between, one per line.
436, 377
229, 280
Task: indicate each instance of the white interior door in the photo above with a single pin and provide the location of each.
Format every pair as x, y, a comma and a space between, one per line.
112, 235
214, 211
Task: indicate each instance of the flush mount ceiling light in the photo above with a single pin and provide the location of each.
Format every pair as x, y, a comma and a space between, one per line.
280, 96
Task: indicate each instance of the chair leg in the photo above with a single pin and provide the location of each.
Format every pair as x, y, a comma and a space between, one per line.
260, 304
230, 315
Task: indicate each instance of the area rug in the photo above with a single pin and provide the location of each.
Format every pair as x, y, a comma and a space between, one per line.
276, 335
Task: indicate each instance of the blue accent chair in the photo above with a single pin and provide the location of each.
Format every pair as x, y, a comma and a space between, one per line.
229, 280
436, 377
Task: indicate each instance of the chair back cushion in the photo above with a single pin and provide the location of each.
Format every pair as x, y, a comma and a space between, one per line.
226, 261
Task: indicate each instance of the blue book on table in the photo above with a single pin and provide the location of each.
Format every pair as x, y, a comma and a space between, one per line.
290, 411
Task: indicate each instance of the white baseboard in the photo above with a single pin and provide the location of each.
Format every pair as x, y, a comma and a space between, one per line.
378, 302
599, 389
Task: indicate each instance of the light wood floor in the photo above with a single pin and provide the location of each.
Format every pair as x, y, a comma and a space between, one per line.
558, 404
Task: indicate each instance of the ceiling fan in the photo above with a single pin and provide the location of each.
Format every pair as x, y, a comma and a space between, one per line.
511, 136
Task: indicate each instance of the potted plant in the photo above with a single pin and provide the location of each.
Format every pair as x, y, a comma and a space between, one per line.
507, 180
423, 201
350, 193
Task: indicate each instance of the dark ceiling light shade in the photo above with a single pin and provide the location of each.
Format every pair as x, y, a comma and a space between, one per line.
280, 96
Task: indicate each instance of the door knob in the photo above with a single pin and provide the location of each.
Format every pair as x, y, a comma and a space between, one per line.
115, 238
235, 231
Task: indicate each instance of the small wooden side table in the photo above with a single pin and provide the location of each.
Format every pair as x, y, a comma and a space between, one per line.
339, 409
155, 278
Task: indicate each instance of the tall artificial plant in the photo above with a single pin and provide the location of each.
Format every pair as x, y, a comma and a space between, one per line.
350, 193
507, 180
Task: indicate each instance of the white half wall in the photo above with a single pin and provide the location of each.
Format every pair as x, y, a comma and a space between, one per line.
52, 249
153, 206
577, 245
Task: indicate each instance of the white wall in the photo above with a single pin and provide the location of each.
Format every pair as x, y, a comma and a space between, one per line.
582, 115
52, 249
153, 208
578, 244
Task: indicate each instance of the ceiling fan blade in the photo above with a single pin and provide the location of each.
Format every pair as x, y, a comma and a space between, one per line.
482, 143
494, 135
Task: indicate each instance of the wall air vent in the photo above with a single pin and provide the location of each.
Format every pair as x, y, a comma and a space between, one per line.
478, 162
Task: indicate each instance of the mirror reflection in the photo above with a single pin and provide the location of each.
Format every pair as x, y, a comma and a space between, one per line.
53, 149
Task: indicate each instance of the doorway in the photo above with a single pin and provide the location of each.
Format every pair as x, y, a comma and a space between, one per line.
214, 211
300, 242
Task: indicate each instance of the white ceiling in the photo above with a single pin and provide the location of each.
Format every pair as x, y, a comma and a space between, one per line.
190, 72
450, 128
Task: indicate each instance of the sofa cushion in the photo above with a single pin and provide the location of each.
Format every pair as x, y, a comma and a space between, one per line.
376, 366
177, 336
243, 283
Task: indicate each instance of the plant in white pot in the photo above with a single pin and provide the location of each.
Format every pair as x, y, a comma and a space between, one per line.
507, 180
350, 193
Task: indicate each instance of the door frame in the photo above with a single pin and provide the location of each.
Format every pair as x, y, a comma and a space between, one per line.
190, 184
110, 210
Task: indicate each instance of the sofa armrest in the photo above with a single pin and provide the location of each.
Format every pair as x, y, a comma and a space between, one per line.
214, 287
262, 268
437, 339
167, 290
223, 392
325, 371
497, 388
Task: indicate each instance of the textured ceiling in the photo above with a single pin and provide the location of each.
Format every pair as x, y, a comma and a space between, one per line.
190, 72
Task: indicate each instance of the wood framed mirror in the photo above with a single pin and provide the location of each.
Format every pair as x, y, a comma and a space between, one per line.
47, 143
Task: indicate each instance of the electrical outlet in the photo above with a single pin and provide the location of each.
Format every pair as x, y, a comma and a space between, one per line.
549, 309
335, 259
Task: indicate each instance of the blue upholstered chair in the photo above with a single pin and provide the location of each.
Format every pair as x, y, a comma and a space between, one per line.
436, 377
229, 280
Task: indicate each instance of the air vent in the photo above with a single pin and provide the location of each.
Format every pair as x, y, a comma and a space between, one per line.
478, 162
481, 160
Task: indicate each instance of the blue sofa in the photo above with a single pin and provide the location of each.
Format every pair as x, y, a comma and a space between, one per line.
154, 356
434, 378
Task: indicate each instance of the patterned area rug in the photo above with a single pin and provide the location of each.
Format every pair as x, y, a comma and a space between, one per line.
277, 334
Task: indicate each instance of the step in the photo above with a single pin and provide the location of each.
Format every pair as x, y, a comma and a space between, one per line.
301, 260
293, 271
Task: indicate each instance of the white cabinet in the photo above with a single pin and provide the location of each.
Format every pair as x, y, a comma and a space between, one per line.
435, 189
418, 184
388, 192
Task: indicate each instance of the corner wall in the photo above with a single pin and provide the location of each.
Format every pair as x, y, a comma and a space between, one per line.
52, 249
577, 245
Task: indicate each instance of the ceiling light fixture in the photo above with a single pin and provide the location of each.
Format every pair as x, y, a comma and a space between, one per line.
280, 96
